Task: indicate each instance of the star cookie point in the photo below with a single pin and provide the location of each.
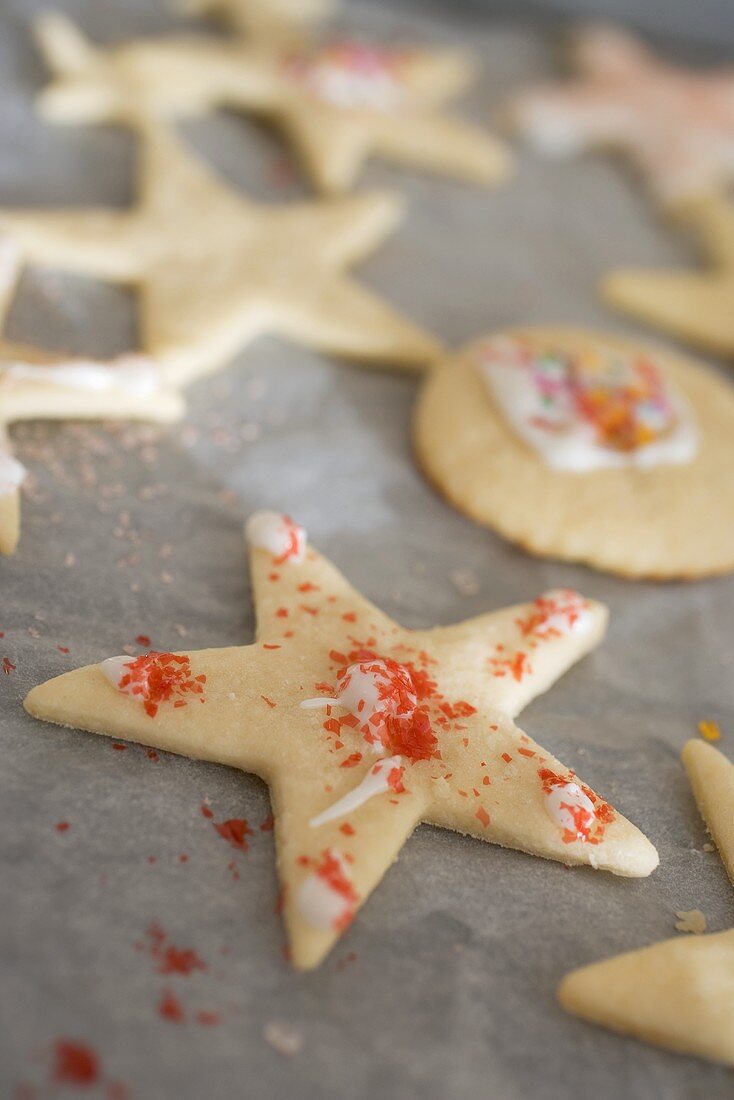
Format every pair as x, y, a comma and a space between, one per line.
362, 729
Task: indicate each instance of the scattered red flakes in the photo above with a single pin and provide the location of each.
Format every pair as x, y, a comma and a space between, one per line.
63, 648
347, 829
482, 816
170, 1008
152, 859
152, 755
119, 747
157, 678
170, 959
62, 826
269, 646
268, 824
526, 752
307, 586
235, 831
8, 666
506, 757
349, 616
75, 1064
282, 613
457, 710
183, 858
351, 761
142, 639
270, 702
411, 735
208, 1019
206, 811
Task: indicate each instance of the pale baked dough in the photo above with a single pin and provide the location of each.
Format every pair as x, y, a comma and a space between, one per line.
662, 523
191, 75
214, 270
677, 994
712, 780
695, 306
252, 719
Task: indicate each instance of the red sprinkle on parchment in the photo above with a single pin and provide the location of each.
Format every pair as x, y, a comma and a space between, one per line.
75, 1064
169, 1008
235, 831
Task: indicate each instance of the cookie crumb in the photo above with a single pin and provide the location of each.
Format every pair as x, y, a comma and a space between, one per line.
284, 1038
690, 920
465, 582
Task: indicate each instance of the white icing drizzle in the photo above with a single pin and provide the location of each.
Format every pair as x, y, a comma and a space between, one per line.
114, 669
367, 690
278, 534
571, 613
351, 77
376, 781
571, 810
320, 904
12, 474
532, 390
133, 374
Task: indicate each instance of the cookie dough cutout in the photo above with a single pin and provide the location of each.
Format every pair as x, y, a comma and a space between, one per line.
338, 102
712, 780
694, 306
676, 126
213, 270
39, 385
671, 520
363, 729
678, 994
265, 20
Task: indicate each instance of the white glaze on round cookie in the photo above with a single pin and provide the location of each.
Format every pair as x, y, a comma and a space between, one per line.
587, 409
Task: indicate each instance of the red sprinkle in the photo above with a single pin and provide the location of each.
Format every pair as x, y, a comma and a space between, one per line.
76, 1064
169, 1007
206, 811
142, 639
235, 831
170, 959
8, 666
62, 826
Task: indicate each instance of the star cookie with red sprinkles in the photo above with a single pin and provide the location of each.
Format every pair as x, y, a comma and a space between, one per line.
364, 729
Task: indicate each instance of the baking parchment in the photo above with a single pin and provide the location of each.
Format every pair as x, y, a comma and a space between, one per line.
444, 986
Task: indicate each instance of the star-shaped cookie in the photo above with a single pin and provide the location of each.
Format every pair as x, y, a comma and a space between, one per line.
675, 125
261, 19
363, 729
338, 103
40, 385
697, 307
214, 270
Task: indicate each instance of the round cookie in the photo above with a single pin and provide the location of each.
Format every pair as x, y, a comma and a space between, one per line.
661, 509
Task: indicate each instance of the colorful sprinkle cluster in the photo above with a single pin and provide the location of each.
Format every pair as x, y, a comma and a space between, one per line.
623, 397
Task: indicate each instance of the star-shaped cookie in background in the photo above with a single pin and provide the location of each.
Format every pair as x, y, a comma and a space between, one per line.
214, 270
678, 993
41, 385
261, 19
363, 729
675, 125
697, 307
338, 103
